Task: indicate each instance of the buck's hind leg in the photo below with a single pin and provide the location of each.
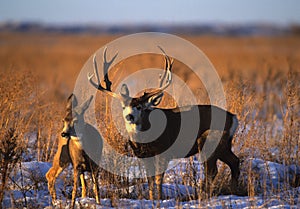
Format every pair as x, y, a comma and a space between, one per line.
233, 162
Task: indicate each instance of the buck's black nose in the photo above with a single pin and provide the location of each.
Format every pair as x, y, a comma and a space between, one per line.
129, 117
66, 135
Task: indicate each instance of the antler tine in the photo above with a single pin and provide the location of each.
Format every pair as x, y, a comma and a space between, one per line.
106, 66
96, 69
167, 74
108, 83
91, 75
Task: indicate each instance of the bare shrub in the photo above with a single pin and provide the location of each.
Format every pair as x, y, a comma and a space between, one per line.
14, 120
10, 153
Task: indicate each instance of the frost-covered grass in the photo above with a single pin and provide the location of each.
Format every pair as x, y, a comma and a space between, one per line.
28, 187
261, 82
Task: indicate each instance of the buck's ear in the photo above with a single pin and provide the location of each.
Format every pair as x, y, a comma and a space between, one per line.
86, 104
72, 100
124, 90
155, 100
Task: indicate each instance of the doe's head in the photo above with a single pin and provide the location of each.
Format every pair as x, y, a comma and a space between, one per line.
74, 116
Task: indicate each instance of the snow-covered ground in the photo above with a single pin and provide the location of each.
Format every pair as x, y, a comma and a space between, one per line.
28, 187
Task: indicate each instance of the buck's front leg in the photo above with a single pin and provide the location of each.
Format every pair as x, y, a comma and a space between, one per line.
150, 170
161, 165
158, 181
151, 187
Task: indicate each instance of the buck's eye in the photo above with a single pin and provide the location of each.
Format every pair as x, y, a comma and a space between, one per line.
123, 108
138, 107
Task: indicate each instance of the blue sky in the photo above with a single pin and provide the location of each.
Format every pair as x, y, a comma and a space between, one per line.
151, 11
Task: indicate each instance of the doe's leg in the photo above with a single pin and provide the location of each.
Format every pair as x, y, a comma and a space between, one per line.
96, 187
75, 185
83, 185
51, 176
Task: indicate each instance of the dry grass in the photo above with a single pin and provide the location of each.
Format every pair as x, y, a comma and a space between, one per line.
260, 77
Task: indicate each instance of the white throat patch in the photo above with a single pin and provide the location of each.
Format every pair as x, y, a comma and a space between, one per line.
132, 127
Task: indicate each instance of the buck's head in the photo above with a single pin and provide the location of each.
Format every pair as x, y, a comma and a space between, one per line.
134, 108
74, 116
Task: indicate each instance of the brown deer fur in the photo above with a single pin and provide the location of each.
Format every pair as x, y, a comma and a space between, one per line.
137, 113
71, 150
169, 136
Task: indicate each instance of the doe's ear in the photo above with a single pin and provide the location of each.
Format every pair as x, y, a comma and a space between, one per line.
124, 90
72, 100
86, 104
155, 100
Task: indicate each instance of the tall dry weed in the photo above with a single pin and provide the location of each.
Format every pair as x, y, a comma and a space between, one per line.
260, 79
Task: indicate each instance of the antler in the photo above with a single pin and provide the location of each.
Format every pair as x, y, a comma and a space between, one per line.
166, 77
106, 65
167, 72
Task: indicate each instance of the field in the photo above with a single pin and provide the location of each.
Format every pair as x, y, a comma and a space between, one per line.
260, 76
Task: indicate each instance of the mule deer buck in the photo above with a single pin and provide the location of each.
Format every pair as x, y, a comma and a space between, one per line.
72, 149
137, 113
